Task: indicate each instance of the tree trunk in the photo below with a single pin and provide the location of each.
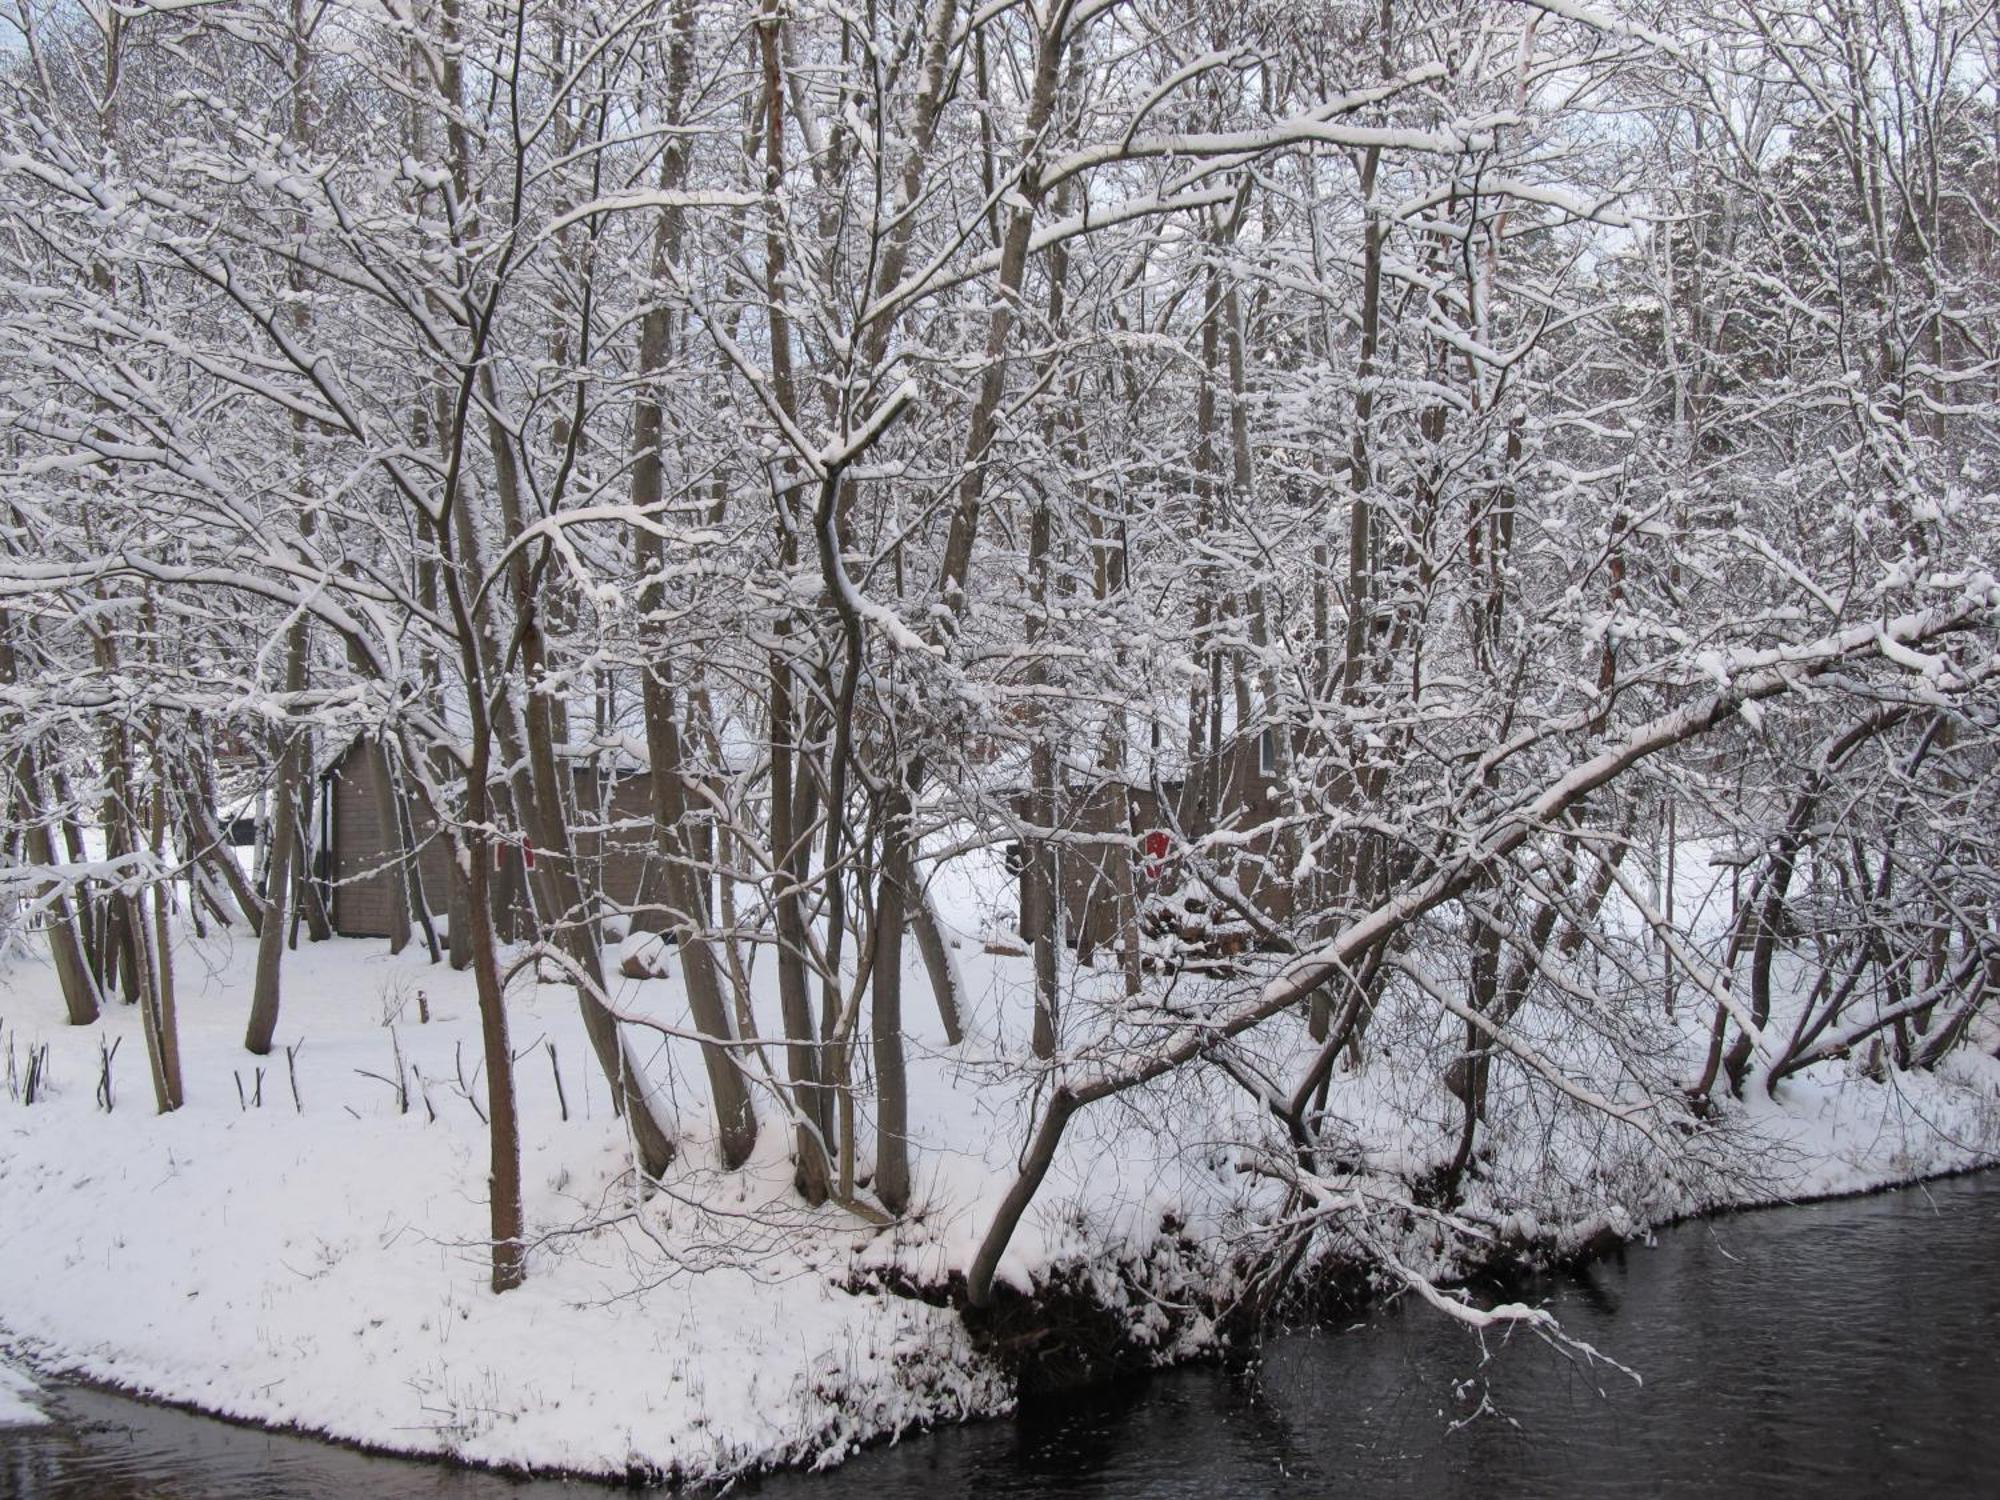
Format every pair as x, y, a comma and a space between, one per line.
284, 824
545, 819
937, 962
311, 895
79, 987
735, 1119
892, 1099
162, 1027
389, 817
503, 1131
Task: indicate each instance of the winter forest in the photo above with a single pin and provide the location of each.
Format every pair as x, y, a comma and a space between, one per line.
991, 656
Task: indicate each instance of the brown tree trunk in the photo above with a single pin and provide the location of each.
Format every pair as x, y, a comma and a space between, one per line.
503, 1131
790, 833
389, 817
937, 962
162, 1027
284, 825
79, 986
66, 951
563, 917
1042, 889
735, 1119
309, 895
217, 855
892, 1098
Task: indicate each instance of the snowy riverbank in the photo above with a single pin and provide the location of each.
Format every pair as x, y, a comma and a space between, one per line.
17, 1409
318, 1264
315, 1261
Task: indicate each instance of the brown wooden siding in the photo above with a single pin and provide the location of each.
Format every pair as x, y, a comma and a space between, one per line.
362, 895
1114, 819
614, 837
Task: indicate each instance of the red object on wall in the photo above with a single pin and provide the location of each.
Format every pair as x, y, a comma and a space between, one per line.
1155, 845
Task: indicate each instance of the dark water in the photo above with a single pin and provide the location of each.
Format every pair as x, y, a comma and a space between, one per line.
1842, 1349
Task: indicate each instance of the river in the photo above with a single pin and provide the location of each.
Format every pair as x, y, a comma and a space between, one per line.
1837, 1348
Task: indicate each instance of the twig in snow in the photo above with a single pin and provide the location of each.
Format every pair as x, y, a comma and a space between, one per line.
517, 1056
561, 1099
104, 1056
292, 1070
424, 1094
241, 1103
458, 1066
399, 1083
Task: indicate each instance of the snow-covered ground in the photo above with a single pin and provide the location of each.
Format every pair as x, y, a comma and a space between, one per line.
315, 1260
16, 1407
318, 1263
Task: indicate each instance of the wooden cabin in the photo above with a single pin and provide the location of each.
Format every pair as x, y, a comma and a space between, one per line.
1116, 845
356, 852
611, 825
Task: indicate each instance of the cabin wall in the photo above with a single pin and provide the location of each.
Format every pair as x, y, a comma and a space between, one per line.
364, 893
1255, 791
1089, 882
612, 831
1096, 880
617, 851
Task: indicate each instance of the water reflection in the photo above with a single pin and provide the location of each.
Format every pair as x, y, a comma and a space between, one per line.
103, 1447
1841, 1348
